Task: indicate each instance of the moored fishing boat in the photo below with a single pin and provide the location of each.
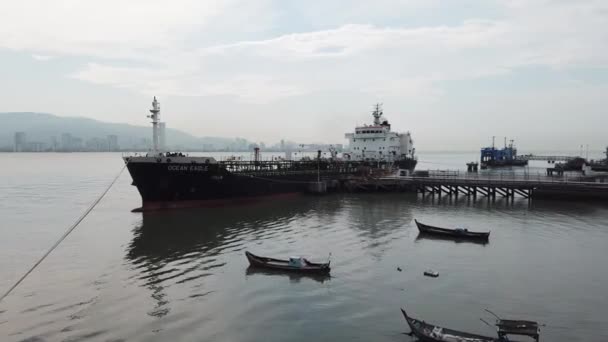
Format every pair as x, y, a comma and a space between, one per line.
427, 332
293, 264
458, 233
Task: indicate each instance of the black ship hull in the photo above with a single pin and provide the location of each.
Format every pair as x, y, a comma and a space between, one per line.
181, 185
407, 164
164, 185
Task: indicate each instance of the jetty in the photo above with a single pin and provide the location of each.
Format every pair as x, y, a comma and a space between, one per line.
549, 158
490, 186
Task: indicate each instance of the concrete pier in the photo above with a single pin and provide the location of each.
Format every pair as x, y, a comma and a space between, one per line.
490, 187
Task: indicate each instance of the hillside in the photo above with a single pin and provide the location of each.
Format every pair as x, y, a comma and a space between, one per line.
41, 127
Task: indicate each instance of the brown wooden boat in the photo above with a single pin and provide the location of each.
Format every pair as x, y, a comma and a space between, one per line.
300, 265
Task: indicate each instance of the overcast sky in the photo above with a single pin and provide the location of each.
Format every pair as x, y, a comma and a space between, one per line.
454, 73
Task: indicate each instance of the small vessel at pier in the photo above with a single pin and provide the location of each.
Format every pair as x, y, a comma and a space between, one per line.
293, 264
601, 165
175, 180
495, 157
457, 233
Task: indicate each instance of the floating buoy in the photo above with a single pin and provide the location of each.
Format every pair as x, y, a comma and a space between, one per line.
431, 273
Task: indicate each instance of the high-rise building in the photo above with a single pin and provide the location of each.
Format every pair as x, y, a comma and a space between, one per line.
36, 146
77, 144
96, 145
54, 144
20, 142
112, 143
66, 142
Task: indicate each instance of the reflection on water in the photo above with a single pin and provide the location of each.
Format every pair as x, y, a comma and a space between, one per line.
293, 277
164, 237
422, 236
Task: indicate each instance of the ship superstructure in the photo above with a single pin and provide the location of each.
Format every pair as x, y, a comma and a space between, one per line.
376, 142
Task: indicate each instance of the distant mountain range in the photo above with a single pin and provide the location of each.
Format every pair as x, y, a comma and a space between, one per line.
42, 127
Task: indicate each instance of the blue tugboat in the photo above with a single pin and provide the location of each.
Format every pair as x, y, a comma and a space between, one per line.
507, 156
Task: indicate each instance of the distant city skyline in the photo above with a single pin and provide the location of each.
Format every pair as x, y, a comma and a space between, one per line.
454, 74
66, 143
71, 143
48, 133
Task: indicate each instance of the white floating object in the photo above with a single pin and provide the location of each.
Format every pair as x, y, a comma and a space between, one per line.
431, 273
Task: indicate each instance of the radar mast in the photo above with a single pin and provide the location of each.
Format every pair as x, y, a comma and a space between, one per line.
377, 113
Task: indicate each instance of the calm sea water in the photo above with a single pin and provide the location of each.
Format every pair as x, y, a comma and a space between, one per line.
182, 275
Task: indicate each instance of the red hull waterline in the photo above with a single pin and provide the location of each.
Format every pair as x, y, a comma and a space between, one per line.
164, 205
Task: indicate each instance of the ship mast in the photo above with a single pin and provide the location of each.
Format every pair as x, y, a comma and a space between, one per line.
377, 113
155, 122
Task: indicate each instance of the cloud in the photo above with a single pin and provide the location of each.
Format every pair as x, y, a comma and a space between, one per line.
173, 49
352, 57
385, 61
113, 28
42, 57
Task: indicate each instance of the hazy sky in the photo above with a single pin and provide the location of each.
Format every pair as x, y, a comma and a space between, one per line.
454, 73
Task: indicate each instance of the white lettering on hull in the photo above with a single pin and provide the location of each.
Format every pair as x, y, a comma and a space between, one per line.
191, 168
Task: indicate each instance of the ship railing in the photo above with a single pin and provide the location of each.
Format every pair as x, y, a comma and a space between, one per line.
139, 154
133, 154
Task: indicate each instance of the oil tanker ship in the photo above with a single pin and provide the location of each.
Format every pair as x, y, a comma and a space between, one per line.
174, 179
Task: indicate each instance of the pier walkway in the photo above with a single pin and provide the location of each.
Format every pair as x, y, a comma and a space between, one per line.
491, 186
547, 158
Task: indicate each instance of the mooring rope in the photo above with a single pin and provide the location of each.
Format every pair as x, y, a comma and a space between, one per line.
65, 235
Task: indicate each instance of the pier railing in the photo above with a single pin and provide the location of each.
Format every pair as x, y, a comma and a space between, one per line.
492, 185
515, 180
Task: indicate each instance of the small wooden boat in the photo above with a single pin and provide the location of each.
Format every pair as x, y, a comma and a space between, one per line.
294, 264
458, 233
427, 332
